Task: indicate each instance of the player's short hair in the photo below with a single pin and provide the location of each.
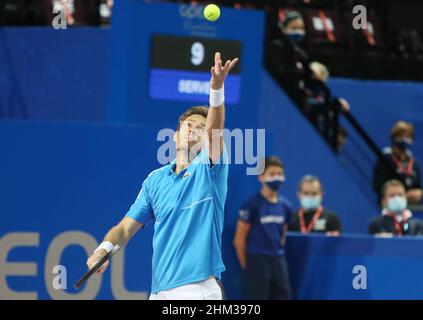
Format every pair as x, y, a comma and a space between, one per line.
309, 178
391, 183
271, 161
402, 127
202, 111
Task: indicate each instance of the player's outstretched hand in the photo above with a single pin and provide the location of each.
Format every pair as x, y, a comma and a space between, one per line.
219, 71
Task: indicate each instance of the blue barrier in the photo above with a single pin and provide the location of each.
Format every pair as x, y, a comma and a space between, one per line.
329, 268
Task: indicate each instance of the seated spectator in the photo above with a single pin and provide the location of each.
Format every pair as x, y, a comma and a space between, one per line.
260, 236
395, 219
399, 163
312, 216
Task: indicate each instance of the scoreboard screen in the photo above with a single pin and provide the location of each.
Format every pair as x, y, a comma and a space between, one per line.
180, 68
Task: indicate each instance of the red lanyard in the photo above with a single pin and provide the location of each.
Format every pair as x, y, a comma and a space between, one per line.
329, 33
405, 169
399, 226
316, 216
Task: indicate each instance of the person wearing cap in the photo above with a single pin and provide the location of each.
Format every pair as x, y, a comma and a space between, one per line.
399, 163
260, 236
312, 216
395, 219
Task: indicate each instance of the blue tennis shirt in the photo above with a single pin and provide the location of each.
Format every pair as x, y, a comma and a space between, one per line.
188, 213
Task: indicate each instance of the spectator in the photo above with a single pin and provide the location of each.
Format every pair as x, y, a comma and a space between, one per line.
321, 73
260, 236
395, 219
305, 83
312, 217
321, 107
285, 58
399, 163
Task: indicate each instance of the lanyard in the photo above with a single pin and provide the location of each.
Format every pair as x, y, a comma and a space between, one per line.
405, 169
399, 226
329, 33
316, 216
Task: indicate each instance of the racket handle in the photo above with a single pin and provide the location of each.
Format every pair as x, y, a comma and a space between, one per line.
93, 270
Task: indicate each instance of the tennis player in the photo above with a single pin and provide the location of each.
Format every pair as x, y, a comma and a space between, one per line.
185, 200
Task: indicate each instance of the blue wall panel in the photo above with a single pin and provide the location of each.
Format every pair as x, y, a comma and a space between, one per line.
53, 74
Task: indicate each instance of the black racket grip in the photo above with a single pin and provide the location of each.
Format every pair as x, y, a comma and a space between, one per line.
93, 270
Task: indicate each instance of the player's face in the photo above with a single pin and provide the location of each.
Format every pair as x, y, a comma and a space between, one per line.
310, 189
191, 131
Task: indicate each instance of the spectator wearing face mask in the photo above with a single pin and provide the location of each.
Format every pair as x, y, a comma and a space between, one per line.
312, 216
284, 56
400, 164
395, 220
260, 236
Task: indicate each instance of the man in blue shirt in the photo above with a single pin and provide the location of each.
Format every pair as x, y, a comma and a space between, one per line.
260, 236
185, 200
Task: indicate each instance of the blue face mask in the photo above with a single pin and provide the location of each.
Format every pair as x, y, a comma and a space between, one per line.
295, 36
310, 203
274, 183
397, 204
403, 143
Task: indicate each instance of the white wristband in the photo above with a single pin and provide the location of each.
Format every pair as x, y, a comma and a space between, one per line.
217, 97
105, 245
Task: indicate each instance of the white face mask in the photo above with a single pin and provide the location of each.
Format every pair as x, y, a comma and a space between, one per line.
310, 202
397, 204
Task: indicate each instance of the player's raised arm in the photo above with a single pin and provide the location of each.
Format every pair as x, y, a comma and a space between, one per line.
117, 236
216, 115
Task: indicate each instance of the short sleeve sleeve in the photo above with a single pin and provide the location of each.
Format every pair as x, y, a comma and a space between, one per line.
141, 210
247, 212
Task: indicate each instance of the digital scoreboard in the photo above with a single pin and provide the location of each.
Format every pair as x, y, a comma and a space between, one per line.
180, 68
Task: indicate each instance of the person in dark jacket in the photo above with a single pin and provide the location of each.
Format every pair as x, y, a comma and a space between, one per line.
312, 216
395, 219
399, 163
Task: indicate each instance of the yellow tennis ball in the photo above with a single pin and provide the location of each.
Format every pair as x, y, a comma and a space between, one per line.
212, 12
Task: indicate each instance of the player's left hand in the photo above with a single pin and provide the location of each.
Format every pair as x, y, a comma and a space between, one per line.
220, 72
